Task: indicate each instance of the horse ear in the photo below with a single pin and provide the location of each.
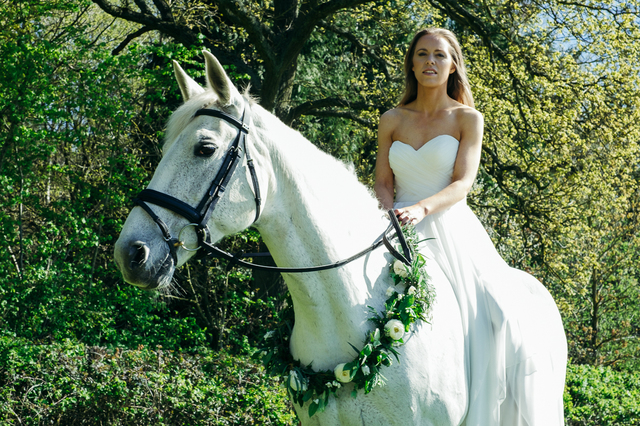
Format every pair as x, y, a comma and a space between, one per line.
218, 80
188, 87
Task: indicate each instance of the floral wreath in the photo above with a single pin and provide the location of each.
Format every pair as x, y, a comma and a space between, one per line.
401, 310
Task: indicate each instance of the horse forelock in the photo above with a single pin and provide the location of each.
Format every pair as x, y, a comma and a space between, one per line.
180, 119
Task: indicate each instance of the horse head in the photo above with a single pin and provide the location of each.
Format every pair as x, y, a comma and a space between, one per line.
193, 195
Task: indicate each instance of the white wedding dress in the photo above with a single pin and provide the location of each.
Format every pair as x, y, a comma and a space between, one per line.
515, 344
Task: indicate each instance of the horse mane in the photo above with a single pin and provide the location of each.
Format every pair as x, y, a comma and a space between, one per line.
325, 181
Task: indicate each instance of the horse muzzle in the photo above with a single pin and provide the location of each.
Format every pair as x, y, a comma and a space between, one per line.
143, 265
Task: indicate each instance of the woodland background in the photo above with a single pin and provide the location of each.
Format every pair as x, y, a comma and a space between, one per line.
86, 88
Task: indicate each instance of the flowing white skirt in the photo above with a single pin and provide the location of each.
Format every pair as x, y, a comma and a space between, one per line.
515, 343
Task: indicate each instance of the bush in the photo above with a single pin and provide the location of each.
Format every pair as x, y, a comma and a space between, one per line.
75, 384
601, 396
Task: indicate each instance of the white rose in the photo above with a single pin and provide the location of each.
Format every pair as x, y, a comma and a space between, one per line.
365, 370
411, 290
400, 269
341, 374
390, 291
296, 382
394, 329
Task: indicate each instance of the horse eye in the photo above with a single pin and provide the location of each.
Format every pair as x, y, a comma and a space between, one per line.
205, 150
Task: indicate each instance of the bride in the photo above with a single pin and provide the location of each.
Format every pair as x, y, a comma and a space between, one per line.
429, 153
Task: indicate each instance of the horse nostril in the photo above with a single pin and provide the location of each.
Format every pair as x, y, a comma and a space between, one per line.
139, 254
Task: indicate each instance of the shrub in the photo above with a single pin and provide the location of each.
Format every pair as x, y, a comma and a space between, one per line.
601, 396
74, 384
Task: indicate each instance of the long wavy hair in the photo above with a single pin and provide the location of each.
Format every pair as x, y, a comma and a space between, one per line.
458, 85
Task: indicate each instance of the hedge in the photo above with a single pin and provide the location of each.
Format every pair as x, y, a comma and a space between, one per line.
73, 384
601, 396
70, 383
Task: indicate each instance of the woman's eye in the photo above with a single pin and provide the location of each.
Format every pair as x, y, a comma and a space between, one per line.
205, 150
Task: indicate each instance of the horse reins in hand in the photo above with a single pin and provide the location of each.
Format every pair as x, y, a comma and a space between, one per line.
199, 216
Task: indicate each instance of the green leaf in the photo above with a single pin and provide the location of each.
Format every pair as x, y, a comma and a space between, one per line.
313, 408
307, 395
366, 351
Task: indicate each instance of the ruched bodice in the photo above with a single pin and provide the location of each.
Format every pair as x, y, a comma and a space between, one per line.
423, 172
514, 341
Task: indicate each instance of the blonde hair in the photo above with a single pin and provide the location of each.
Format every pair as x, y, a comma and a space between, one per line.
458, 87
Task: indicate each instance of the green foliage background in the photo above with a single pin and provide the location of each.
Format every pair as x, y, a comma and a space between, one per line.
81, 125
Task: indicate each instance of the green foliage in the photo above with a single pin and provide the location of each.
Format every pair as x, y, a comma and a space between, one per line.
559, 183
74, 384
601, 396
68, 172
228, 302
63, 307
81, 134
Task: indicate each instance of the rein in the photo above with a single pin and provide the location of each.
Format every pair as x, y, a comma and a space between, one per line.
405, 257
200, 215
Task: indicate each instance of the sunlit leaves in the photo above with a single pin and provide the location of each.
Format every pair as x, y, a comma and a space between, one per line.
559, 178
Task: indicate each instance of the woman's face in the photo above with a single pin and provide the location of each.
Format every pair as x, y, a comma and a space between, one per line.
432, 62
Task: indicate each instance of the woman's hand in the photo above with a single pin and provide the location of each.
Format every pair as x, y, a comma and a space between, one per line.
411, 214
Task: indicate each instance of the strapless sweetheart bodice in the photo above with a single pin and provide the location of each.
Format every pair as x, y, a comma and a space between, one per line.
420, 173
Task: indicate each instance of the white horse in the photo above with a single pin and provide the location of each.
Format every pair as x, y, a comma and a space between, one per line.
314, 212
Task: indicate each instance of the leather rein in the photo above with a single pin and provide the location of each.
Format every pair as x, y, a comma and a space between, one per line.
200, 215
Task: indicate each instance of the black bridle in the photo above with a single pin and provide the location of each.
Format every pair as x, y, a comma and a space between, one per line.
199, 217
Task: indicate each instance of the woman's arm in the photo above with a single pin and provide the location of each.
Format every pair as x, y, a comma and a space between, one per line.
464, 171
384, 175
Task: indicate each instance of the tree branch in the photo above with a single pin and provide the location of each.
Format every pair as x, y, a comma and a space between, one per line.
311, 15
315, 13
344, 114
613, 12
259, 34
316, 107
142, 5
164, 9
99, 35
179, 32
127, 14
353, 39
129, 38
499, 169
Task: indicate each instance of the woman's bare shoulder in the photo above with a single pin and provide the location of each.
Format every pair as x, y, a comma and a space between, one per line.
391, 120
471, 122
394, 115
468, 114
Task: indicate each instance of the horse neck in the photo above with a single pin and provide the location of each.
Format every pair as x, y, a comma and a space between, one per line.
317, 213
